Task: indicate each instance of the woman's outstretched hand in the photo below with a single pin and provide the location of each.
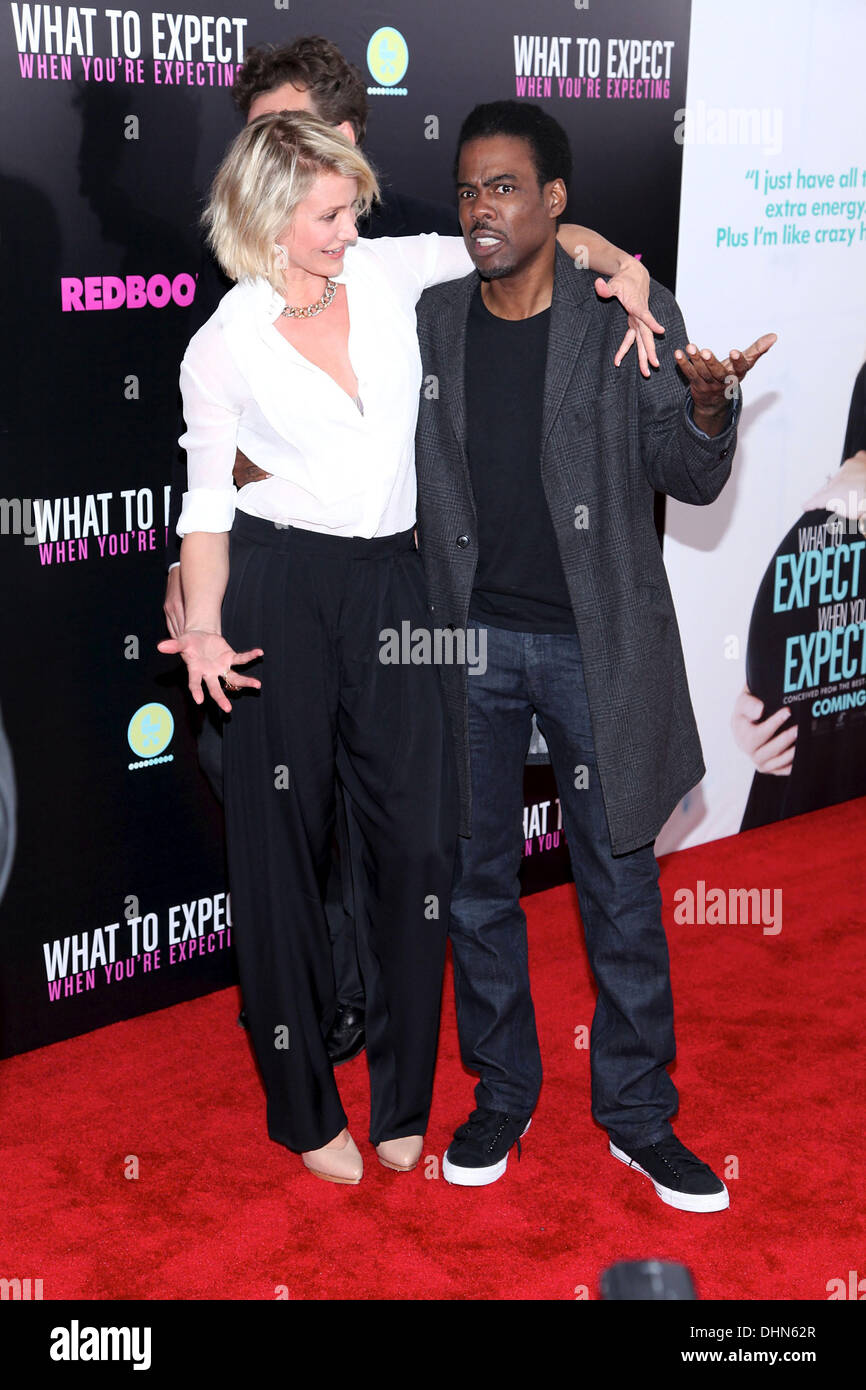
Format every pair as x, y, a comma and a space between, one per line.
208, 658
631, 287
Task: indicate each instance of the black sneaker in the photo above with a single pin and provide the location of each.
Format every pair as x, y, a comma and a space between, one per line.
678, 1176
478, 1153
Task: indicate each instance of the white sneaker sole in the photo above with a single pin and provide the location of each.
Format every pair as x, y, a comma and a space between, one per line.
683, 1201
476, 1177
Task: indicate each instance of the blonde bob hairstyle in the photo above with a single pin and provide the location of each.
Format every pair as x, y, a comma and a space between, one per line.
269, 169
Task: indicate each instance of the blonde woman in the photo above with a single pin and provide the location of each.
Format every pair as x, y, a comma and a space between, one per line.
310, 366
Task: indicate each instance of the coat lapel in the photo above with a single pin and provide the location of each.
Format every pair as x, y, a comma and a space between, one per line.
573, 293
452, 324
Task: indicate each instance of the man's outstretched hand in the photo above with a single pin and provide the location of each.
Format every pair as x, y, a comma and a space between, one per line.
715, 384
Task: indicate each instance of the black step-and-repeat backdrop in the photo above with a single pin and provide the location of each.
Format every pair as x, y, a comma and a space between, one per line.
113, 121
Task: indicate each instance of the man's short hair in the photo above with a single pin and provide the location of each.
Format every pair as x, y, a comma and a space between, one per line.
269, 169
313, 64
551, 152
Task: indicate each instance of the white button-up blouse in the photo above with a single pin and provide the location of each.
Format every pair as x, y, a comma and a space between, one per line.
334, 469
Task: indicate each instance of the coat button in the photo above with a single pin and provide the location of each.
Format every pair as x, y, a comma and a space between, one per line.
724, 454
462, 542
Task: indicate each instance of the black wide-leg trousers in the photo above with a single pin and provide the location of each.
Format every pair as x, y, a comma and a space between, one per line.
320, 607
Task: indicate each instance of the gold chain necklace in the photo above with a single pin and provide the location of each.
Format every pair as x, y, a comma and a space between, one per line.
310, 310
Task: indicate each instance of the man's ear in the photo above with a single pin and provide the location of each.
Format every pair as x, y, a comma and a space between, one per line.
556, 197
346, 128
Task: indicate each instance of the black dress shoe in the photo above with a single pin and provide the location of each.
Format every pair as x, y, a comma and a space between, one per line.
346, 1038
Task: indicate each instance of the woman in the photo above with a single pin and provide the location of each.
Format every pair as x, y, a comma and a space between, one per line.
316, 380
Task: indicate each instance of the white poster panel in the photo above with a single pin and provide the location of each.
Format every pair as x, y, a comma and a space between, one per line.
768, 581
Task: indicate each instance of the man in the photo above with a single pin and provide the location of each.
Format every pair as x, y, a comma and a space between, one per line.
537, 463
309, 74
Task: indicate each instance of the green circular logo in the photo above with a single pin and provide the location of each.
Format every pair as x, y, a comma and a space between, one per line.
150, 730
387, 56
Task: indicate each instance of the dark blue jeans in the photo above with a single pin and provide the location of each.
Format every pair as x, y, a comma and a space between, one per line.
632, 1038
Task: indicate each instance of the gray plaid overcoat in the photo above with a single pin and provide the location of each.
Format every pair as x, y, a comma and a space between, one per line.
609, 438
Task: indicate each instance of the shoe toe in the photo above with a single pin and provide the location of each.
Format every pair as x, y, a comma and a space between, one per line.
336, 1165
401, 1155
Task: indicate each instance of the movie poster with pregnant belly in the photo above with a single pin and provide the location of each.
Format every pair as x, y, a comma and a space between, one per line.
806, 652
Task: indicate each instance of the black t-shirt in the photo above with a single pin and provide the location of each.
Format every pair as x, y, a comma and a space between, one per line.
519, 583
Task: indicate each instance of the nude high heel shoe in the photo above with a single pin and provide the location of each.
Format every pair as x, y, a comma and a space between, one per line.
337, 1161
401, 1155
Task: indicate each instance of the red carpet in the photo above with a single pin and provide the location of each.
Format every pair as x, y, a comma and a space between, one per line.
770, 1071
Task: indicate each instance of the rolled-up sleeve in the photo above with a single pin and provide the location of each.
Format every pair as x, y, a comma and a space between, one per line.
211, 408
